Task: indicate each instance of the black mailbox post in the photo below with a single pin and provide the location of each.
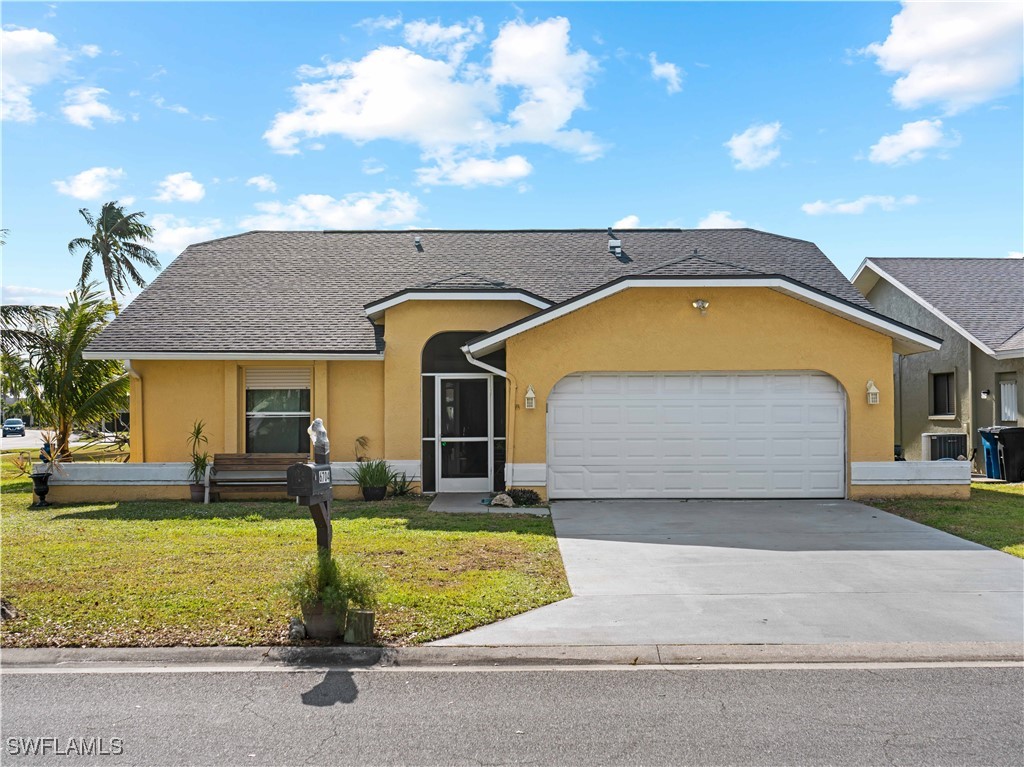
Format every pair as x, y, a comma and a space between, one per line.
312, 486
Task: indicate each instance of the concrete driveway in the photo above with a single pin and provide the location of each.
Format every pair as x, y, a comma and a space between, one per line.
765, 572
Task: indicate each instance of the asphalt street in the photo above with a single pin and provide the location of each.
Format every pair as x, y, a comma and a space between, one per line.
863, 715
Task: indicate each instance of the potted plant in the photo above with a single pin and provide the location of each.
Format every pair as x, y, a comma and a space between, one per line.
198, 463
361, 589
373, 478
319, 592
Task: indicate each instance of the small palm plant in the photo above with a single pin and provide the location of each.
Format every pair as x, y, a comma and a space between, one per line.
199, 461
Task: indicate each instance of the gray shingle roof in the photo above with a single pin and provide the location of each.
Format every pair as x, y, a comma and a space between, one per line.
985, 296
270, 292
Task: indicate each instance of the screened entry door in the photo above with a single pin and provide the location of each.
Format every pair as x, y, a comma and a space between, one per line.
466, 432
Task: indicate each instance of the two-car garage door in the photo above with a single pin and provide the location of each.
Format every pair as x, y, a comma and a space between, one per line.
696, 435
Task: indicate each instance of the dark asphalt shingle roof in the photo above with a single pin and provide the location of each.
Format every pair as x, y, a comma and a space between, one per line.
985, 296
305, 291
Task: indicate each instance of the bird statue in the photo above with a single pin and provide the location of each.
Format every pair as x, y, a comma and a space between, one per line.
318, 435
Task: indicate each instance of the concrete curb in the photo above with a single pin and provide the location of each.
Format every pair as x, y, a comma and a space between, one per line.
563, 655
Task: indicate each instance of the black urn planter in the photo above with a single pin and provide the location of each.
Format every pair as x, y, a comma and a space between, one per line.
374, 493
41, 486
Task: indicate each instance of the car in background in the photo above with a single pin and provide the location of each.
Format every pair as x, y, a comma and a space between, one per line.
14, 426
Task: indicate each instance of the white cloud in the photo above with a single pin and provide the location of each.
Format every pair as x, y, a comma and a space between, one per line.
28, 58
82, 105
720, 219
372, 166
359, 210
380, 22
91, 184
446, 106
171, 234
126, 201
1015, 254
858, 206
453, 42
756, 147
32, 296
180, 187
912, 143
954, 54
264, 183
91, 51
161, 103
474, 171
627, 222
667, 71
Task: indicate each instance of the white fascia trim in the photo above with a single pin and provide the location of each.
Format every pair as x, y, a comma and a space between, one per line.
913, 296
374, 311
492, 342
1012, 354
261, 356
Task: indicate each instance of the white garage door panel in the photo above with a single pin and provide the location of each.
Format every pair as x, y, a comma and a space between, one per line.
694, 435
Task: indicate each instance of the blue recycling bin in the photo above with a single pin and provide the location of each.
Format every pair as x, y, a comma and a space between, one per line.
991, 449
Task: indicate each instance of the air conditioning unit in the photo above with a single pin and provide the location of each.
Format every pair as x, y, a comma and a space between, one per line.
946, 446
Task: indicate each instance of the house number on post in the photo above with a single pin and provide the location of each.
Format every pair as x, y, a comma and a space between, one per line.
311, 484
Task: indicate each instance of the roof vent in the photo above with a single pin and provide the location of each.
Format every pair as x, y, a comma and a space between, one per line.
614, 246
418, 242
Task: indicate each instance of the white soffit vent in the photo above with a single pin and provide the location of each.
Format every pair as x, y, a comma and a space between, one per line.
278, 378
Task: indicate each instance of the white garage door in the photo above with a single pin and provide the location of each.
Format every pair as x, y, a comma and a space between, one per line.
696, 435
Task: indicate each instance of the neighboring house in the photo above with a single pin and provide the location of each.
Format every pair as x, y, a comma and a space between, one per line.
976, 305
581, 363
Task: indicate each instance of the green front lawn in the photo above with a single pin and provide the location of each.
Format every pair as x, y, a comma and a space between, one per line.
171, 572
994, 516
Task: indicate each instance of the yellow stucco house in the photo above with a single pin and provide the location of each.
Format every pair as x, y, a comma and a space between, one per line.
645, 363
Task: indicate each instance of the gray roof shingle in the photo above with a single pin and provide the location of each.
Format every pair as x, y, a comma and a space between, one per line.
985, 296
270, 292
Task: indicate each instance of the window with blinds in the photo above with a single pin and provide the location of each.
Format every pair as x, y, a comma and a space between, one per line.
277, 410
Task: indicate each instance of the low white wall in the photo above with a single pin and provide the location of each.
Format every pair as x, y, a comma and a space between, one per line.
531, 474
118, 474
340, 471
177, 473
910, 473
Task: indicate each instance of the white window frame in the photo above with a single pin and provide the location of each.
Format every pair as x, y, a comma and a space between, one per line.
1008, 400
307, 414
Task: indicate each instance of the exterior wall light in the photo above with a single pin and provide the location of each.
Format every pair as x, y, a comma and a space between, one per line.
701, 305
872, 393
986, 393
531, 398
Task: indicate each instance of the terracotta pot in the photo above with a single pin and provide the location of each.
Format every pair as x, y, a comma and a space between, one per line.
374, 493
322, 623
198, 492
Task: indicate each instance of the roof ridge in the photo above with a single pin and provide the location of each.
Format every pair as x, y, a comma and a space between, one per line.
700, 257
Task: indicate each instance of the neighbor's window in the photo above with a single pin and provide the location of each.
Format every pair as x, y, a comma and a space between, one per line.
1008, 401
942, 394
277, 410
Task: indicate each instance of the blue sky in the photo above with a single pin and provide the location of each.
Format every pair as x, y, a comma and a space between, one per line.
869, 128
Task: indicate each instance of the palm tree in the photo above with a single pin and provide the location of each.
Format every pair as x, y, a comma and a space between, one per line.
64, 390
17, 326
118, 240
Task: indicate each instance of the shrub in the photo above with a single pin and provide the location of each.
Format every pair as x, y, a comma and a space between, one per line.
401, 484
322, 579
523, 497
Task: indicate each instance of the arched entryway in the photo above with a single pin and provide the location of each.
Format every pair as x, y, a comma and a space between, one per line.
463, 421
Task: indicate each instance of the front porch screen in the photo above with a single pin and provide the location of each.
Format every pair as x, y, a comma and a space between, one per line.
277, 410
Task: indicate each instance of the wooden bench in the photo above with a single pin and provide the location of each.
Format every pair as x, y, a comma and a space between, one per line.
249, 472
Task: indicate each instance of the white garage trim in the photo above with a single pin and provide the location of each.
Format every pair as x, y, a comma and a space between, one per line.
697, 435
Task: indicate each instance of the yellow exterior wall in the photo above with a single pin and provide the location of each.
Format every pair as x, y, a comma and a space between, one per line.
346, 395
407, 328
867, 492
657, 329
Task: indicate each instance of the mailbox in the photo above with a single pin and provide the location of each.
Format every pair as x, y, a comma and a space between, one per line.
311, 482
